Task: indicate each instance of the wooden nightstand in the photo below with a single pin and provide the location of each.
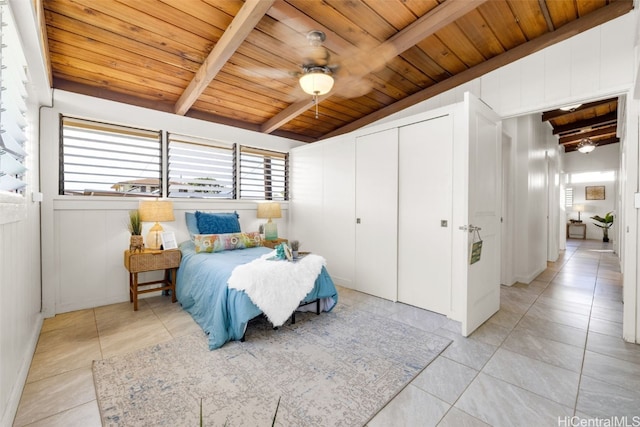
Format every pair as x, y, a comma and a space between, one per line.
148, 260
273, 243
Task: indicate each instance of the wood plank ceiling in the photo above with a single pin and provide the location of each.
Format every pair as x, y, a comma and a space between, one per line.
238, 63
597, 121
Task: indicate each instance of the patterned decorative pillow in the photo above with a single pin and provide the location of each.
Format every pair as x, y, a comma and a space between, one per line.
252, 239
226, 242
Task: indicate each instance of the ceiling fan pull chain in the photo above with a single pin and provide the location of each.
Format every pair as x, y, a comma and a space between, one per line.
315, 101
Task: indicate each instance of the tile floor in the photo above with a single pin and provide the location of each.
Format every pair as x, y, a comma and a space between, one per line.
553, 350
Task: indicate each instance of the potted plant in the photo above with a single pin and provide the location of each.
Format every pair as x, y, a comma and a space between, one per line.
604, 223
135, 228
295, 245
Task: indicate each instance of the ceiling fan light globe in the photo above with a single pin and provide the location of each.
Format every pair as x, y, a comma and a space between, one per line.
316, 83
586, 146
571, 107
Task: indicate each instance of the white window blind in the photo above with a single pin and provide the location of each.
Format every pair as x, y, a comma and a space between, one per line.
200, 168
109, 160
568, 197
263, 174
13, 106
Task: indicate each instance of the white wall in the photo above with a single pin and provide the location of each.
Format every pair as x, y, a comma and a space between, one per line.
606, 158
84, 236
20, 317
536, 166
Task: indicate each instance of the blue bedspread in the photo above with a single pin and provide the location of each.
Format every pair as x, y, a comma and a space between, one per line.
223, 313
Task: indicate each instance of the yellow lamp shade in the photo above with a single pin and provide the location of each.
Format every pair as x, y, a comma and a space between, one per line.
155, 211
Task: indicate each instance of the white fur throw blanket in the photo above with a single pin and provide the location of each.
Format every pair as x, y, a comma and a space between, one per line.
277, 287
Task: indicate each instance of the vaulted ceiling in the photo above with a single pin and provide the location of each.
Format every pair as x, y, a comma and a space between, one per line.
238, 63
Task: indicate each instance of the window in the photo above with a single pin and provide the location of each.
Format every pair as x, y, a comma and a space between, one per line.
201, 168
102, 159
600, 176
568, 197
13, 107
263, 174
109, 160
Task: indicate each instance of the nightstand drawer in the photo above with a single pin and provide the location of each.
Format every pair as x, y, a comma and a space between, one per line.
139, 262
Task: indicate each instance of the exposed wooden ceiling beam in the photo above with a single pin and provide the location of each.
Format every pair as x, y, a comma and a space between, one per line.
439, 17
286, 115
600, 16
607, 119
556, 114
547, 15
247, 18
600, 143
572, 139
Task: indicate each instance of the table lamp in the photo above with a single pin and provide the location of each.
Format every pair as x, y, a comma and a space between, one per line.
270, 210
579, 209
155, 210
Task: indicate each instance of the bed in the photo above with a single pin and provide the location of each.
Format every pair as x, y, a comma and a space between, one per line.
223, 312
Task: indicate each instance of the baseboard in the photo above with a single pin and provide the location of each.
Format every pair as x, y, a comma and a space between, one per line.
16, 391
342, 281
530, 277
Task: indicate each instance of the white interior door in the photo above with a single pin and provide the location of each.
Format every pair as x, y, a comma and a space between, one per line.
424, 214
376, 257
478, 292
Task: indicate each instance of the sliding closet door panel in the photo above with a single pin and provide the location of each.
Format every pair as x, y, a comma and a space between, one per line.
377, 214
424, 214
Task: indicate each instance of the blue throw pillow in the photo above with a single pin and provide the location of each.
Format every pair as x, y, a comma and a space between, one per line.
192, 223
217, 223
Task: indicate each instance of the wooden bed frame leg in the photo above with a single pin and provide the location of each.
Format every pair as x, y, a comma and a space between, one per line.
318, 307
293, 318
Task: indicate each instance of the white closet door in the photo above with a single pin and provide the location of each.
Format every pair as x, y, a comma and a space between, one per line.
425, 201
377, 214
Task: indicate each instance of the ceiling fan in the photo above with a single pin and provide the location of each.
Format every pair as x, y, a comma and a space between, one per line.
349, 71
317, 76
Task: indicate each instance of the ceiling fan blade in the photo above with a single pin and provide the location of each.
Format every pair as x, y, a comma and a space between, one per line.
352, 87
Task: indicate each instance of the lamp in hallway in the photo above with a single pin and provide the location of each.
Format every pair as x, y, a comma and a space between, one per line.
155, 211
579, 209
270, 210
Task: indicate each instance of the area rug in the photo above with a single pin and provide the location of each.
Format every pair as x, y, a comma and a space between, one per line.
339, 369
